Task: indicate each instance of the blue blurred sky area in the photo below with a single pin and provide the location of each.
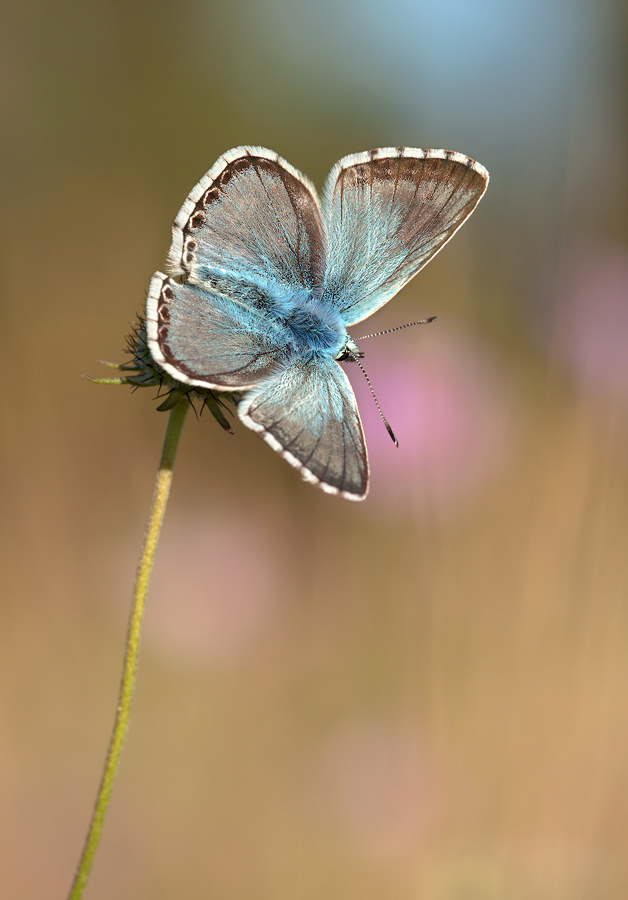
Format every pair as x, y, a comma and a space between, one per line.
502, 70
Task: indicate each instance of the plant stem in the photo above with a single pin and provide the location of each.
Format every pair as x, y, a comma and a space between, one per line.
121, 723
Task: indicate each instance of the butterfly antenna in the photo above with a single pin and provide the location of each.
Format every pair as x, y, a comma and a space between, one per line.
384, 419
398, 328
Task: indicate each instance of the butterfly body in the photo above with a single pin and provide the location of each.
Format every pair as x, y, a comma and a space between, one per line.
265, 280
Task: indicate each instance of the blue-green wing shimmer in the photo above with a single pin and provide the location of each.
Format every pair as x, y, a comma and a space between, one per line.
308, 414
387, 212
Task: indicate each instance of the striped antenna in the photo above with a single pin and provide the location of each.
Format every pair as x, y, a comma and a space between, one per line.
398, 328
384, 419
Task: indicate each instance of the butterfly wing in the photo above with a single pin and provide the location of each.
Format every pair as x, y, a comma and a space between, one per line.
252, 219
209, 340
387, 213
308, 414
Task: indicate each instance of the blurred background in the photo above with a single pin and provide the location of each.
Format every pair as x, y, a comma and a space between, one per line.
420, 697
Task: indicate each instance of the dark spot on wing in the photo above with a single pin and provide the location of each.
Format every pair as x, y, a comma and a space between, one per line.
226, 175
211, 195
189, 249
197, 219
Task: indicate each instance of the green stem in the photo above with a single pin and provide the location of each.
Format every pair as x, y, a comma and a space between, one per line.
121, 723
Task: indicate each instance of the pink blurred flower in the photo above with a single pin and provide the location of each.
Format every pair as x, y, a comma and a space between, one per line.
376, 782
444, 396
214, 588
591, 322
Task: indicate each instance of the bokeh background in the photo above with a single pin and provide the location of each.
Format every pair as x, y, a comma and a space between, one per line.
421, 697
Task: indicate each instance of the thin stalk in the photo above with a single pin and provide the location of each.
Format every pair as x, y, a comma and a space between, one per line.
121, 722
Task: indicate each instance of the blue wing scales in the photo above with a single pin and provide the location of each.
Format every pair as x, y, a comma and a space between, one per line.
258, 271
209, 340
387, 213
252, 218
308, 414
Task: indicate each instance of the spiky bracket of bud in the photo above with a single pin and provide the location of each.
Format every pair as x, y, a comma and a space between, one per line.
143, 371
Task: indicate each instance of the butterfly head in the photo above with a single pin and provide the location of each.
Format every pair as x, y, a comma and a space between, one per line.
350, 352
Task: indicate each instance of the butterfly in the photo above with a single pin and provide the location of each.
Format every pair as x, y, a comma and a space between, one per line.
265, 278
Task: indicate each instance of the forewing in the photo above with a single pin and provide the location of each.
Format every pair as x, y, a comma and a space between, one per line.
308, 413
252, 218
387, 213
208, 340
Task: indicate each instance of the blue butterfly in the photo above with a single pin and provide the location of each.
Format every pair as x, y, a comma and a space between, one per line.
265, 279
